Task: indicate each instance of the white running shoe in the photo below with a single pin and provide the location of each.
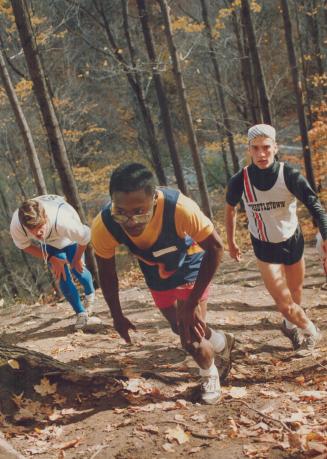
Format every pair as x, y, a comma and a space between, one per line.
210, 390
84, 321
309, 344
223, 359
89, 303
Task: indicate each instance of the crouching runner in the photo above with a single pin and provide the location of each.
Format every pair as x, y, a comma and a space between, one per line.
178, 251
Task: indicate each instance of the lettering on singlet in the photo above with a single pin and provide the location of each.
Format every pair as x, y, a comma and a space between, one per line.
259, 206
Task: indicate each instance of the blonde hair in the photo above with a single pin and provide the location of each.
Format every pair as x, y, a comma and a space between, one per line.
32, 214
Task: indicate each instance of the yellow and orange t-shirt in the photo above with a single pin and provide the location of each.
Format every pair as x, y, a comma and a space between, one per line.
189, 220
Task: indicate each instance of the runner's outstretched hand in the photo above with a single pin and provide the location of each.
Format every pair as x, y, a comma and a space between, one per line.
57, 266
122, 326
235, 252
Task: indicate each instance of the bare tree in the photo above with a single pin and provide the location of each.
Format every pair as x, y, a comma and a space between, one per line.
23, 127
246, 70
260, 81
298, 93
161, 96
192, 140
226, 122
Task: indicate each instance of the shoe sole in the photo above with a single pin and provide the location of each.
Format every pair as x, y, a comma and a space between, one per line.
224, 366
211, 402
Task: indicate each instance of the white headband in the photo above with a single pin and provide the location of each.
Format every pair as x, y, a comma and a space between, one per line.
261, 130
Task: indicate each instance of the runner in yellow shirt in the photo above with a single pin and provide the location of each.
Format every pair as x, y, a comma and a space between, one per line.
178, 251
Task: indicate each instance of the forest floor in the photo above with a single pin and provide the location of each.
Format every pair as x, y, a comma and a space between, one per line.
273, 404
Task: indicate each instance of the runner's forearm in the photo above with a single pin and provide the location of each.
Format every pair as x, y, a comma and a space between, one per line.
34, 251
230, 223
79, 252
110, 285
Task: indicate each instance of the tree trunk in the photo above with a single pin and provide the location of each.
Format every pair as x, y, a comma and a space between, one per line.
264, 101
7, 273
227, 125
298, 93
41, 90
135, 84
192, 140
246, 73
161, 96
220, 131
24, 128
314, 31
304, 69
33, 366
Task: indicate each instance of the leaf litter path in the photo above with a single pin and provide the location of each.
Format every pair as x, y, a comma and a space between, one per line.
273, 405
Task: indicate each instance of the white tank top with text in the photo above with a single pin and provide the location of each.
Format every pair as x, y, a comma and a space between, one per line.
272, 213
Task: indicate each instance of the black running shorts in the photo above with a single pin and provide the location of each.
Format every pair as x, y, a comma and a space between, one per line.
286, 253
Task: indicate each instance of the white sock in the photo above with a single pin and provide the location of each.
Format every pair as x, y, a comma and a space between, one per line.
289, 324
211, 371
217, 340
311, 329
90, 297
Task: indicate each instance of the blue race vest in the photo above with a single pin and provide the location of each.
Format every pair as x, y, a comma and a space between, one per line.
165, 265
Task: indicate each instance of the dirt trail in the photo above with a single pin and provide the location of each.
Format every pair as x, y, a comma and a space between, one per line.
273, 405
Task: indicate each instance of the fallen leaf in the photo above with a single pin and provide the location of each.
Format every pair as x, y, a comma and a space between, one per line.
70, 444
297, 441
237, 392
24, 414
14, 364
177, 434
55, 415
198, 418
18, 399
232, 428
313, 395
316, 436
168, 447
45, 388
269, 393
317, 447
150, 429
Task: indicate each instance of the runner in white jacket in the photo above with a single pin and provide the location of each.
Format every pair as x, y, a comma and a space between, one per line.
49, 228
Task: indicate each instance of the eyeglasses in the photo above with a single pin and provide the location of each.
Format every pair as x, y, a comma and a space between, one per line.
137, 218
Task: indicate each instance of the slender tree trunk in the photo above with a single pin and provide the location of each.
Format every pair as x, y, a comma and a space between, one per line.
220, 130
135, 84
7, 272
51, 123
264, 101
314, 30
298, 93
246, 73
304, 70
162, 99
9, 155
144, 107
227, 125
24, 128
192, 140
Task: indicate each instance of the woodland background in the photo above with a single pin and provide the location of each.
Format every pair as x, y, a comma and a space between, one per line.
88, 84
